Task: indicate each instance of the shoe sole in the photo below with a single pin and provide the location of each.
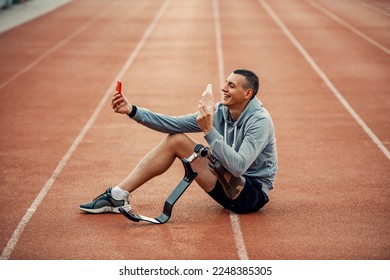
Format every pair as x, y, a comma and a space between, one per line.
106, 209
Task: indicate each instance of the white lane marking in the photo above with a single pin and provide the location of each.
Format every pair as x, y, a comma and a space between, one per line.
29, 213
53, 49
374, 8
234, 218
322, 75
347, 25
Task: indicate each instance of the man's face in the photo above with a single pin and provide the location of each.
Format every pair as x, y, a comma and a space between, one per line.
233, 92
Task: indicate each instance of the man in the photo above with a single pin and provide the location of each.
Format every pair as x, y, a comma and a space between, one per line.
239, 132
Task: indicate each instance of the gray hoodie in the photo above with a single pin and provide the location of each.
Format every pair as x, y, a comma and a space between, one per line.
244, 147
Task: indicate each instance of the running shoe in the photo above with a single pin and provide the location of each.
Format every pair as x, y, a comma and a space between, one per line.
106, 203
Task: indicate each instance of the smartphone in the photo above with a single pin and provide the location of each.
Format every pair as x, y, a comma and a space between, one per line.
119, 87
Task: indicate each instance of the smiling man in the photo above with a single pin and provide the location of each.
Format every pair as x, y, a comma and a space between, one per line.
239, 132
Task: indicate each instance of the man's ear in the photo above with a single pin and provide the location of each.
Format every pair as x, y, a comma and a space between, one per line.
248, 93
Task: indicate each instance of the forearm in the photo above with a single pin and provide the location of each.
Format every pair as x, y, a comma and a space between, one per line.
164, 123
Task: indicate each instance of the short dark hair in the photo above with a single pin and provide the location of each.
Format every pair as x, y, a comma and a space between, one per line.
252, 81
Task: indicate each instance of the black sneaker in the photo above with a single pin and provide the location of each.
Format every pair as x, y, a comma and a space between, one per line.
105, 203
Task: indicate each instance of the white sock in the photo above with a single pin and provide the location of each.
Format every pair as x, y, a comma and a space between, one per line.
119, 194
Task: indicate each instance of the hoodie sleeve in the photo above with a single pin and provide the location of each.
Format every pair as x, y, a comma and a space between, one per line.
167, 124
255, 138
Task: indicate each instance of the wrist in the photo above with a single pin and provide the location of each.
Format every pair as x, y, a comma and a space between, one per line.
133, 111
207, 130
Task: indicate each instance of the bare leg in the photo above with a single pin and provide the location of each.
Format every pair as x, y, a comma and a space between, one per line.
157, 161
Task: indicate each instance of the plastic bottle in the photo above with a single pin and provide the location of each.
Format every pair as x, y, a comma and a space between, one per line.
208, 98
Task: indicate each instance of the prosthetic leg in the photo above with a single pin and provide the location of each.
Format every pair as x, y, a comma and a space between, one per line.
189, 176
231, 185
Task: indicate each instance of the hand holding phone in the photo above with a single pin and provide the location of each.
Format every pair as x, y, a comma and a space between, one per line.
119, 103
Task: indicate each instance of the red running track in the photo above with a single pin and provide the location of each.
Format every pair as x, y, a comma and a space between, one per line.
326, 86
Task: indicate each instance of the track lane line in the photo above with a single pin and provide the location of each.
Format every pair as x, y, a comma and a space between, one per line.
234, 218
337, 19
56, 47
45, 189
326, 80
374, 8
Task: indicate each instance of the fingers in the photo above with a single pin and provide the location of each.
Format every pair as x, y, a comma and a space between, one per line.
117, 100
120, 104
202, 109
205, 118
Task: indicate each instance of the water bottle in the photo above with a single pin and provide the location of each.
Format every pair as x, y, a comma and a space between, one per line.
208, 98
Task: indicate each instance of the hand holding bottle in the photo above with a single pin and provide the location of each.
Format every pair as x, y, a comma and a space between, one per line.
206, 110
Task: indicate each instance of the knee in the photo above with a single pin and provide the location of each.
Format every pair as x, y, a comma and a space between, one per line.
180, 143
176, 139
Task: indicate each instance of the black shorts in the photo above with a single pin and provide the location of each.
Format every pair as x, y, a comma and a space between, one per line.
251, 199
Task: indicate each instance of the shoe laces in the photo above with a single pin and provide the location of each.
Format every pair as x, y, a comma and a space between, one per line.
102, 195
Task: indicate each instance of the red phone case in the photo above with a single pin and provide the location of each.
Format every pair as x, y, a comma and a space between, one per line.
119, 87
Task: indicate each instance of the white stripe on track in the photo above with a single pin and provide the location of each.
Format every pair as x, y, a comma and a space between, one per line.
347, 25
322, 75
218, 41
29, 213
234, 218
374, 8
53, 49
